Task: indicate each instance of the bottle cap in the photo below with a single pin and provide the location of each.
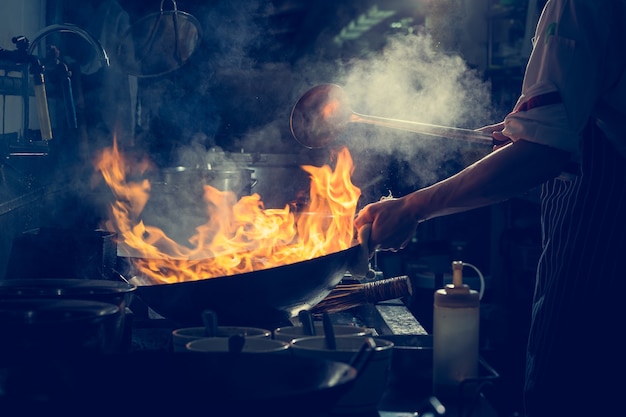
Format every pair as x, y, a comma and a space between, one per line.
457, 294
457, 297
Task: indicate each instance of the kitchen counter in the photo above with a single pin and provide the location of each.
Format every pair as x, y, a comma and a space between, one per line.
407, 395
53, 380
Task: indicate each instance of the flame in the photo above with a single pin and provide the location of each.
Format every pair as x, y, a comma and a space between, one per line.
240, 235
330, 108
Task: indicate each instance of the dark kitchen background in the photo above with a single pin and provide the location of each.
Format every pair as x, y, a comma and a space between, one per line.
447, 62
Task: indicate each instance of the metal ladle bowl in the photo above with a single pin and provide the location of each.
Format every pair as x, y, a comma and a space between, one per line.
323, 113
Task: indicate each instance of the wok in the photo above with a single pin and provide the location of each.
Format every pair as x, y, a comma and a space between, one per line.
163, 383
267, 298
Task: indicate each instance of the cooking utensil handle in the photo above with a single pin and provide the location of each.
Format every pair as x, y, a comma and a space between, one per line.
236, 343
209, 319
474, 136
329, 332
306, 318
363, 355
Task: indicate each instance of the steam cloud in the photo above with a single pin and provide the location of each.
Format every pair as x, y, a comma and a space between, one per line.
409, 79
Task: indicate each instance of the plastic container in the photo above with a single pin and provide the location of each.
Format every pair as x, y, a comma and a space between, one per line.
456, 322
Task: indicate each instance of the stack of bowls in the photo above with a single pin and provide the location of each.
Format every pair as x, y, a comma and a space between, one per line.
366, 393
183, 336
239, 344
289, 333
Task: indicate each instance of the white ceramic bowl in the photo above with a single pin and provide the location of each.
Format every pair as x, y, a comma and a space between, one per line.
182, 336
253, 345
371, 382
289, 333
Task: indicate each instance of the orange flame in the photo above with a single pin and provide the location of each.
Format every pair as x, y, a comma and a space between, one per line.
239, 236
330, 108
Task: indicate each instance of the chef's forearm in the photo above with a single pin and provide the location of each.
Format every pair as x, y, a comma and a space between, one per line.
505, 173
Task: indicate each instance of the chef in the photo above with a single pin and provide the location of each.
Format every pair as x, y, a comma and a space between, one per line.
564, 134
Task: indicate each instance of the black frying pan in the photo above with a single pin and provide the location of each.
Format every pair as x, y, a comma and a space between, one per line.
265, 298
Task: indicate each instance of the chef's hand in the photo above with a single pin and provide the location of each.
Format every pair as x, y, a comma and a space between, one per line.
499, 139
393, 226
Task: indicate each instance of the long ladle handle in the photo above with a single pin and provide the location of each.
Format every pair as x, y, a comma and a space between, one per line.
475, 136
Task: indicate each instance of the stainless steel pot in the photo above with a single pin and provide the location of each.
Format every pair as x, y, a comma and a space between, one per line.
237, 180
280, 179
177, 204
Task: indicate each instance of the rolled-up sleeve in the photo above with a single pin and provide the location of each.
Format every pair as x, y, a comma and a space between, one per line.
569, 52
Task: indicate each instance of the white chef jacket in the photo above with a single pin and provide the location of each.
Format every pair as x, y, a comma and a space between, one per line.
573, 97
573, 58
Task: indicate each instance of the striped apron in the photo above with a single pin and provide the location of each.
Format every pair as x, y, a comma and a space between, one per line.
576, 348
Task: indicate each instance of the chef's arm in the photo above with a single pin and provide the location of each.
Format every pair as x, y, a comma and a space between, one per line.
505, 173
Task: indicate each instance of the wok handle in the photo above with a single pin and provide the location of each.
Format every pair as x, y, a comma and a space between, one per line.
359, 267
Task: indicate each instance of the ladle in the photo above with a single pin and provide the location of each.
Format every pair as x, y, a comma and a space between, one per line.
209, 319
236, 343
323, 112
306, 318
329, 332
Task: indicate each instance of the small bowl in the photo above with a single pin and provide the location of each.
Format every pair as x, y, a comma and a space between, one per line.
258, 345
182, 336
289, 333
370, 385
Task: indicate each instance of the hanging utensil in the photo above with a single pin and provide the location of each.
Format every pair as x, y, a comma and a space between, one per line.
159, 43
323, 113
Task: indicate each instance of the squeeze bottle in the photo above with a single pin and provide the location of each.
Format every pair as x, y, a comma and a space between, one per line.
456, 319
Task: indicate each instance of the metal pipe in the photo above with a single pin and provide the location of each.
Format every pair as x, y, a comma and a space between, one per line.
69, 28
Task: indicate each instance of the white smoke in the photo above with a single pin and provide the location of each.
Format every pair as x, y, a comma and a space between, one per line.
411, 80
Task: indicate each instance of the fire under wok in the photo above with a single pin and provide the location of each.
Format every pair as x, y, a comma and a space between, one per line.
265, 298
